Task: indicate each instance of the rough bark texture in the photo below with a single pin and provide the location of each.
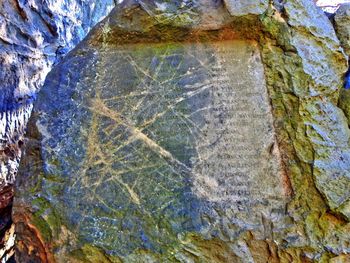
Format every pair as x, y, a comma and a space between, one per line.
304, 68
34, 35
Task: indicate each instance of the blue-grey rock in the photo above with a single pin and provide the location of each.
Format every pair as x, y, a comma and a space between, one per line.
241, 8
34, 35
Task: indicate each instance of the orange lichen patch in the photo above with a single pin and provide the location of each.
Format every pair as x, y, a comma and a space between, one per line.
286, 183
333, 219
263, 251
228, 34
267, 251
31, 244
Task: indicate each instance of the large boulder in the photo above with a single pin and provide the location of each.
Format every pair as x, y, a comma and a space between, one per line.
191, 132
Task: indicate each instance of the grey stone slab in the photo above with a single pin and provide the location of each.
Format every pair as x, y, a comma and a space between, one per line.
164, 140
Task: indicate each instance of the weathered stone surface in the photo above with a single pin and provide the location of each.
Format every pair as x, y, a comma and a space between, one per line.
325, 123
303, 69
241, 8
342, 26
315, 55
34, 35
165, 140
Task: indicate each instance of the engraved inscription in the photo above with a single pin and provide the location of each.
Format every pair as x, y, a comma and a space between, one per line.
234, 165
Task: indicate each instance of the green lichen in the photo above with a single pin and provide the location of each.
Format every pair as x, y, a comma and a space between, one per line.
42, 226
177, 20
344, 102
46, 219
92, 254
190, 248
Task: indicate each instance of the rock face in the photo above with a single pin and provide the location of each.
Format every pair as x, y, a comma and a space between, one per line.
342, 27
238, 8
191, 132
33, 36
